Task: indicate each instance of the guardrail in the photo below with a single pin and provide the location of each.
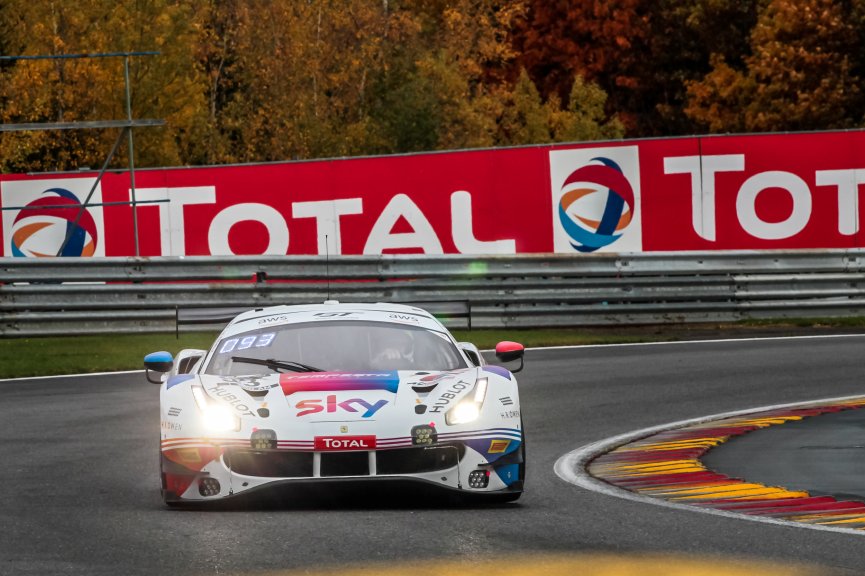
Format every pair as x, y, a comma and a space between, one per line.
86, 296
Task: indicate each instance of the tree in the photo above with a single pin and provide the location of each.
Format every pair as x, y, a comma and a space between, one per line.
92, 89
302, 75
585, 117
683, 36
465, 59
524, 117
798, 76
603, 42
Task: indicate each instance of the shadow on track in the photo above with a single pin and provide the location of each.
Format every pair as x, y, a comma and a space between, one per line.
396, 495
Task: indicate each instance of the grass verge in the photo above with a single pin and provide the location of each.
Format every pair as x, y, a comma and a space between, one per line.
45, 356
21, 357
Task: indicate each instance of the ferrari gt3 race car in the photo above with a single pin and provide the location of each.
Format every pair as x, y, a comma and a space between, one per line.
336, 392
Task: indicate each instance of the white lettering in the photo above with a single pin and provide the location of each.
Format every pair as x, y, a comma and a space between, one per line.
217, 236
171, 220
702, 170
462, 229
338, 443
327, 214
847, 182
745, 205
381, 238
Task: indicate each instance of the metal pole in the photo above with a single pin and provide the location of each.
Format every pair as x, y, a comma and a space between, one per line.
84, 204
131, 157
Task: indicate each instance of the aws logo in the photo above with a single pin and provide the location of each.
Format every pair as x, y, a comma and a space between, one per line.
596, 200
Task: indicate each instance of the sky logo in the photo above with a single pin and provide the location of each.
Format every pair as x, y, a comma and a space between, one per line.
358, 406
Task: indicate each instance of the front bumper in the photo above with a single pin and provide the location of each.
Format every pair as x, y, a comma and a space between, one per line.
238, 469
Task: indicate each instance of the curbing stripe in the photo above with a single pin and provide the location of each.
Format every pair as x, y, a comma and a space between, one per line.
607, 467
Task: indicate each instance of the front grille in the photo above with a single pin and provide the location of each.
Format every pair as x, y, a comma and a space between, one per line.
345, 464
270, 463
417, 460
289, 464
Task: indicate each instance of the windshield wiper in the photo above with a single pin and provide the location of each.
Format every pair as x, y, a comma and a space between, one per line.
277, 364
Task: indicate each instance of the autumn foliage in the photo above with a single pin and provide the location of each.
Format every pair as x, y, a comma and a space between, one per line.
264, 80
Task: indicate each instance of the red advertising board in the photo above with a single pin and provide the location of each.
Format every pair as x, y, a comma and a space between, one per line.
763, 192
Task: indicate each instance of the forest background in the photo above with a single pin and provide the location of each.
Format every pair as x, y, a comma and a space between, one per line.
268, 80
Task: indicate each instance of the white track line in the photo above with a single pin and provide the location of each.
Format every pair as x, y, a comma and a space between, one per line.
87, 374
716, 341
572, 466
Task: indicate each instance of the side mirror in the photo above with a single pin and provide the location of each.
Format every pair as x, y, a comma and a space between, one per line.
509, 351
160, 362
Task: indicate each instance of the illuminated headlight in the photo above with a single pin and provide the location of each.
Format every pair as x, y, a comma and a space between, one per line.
463, 412
215, 417
469, 408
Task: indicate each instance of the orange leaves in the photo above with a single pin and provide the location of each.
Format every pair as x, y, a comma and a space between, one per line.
799, 76
258, 80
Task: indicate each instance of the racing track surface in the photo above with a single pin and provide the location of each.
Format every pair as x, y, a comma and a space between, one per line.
833, 447
79, 473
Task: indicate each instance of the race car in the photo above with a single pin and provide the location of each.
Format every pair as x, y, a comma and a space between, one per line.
337, 392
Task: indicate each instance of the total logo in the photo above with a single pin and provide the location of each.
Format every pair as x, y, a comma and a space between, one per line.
329, 443
596, 200
51, 222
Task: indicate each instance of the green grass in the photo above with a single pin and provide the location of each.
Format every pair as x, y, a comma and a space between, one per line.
44, 356
20, 357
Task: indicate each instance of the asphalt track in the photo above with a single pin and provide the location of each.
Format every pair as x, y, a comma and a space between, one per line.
825, 456
81, 492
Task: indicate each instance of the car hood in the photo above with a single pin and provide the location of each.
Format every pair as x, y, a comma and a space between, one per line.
341, 396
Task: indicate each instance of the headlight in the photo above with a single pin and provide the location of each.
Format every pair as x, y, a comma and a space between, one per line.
216, 417
469, 408
463, 412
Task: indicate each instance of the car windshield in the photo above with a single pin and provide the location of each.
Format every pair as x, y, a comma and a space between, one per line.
334, 346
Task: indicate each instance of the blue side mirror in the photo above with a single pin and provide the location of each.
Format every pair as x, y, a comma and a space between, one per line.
157, 362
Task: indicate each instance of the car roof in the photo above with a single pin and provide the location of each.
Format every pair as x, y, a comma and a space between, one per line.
332, 310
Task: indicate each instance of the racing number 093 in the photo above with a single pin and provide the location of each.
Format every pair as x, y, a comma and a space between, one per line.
259, 341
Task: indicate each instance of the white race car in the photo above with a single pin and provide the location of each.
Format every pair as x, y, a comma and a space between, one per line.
335, 392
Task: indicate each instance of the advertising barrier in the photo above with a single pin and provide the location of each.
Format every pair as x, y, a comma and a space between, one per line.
754, 192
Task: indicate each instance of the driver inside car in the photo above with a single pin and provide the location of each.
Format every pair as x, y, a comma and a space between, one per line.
396, 350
